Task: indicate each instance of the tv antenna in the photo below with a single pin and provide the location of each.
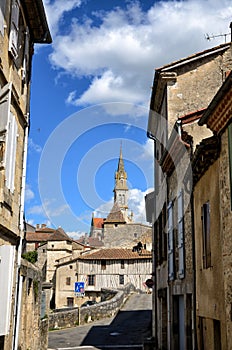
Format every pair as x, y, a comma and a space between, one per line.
210, 37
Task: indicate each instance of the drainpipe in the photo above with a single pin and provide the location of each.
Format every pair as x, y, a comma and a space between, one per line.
149, 135
193, 261
19, 278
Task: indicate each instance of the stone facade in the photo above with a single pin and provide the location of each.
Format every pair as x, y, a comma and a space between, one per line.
181, 92
212, 175
21, 25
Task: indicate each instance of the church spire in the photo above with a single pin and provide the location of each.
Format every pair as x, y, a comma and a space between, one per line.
120, 188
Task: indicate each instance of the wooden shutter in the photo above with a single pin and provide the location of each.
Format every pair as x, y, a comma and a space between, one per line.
14, 29
230, 160
25, 56
180, 216
2, 13
11, 144
170, 242
5, 101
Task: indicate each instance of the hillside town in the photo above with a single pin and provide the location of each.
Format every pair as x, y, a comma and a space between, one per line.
182, 255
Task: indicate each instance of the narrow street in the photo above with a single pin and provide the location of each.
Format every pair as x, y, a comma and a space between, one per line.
127, 330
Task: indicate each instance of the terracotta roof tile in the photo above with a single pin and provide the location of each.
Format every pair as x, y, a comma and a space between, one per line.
98, 222
54, 235
116, 254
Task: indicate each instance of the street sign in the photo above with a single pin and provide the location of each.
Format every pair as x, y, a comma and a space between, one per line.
79, 289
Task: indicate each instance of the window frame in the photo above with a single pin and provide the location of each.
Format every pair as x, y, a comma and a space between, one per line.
91, 280
121, 279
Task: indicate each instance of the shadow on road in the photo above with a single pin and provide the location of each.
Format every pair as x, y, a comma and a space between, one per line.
129, 329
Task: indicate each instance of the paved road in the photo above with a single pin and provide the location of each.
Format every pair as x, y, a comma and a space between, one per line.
127, 330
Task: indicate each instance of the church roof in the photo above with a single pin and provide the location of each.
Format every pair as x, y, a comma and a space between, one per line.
98, 222
115, 215
116, 254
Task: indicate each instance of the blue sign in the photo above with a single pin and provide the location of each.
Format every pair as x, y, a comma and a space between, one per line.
80, 287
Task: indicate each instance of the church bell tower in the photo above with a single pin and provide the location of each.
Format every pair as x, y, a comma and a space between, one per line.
120, 188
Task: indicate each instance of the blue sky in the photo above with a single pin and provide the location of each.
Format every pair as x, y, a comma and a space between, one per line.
90, 94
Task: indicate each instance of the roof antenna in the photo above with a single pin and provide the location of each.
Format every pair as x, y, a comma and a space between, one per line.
209, 37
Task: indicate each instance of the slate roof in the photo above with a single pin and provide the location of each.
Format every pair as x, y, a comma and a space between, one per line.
116, 254
90, 241
115, 215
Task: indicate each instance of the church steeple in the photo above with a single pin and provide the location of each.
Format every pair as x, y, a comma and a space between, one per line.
120, 188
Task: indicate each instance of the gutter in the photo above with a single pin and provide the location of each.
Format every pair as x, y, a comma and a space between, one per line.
19, 278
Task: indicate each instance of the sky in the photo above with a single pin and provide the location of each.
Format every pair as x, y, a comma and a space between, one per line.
90, 95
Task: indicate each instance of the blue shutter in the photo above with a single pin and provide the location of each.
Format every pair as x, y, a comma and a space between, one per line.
170, 242
180, 215
10, 160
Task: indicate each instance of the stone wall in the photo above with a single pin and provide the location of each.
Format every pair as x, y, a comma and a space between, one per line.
98, 311
128, 235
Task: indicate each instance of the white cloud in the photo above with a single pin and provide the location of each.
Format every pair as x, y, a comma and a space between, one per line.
120, 53
29, 194
75, 234
136, 203
55, 11
33, 146
36, 210
148, 150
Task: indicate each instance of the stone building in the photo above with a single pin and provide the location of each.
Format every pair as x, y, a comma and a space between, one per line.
51, 245
21, 25
213, 221
181, 92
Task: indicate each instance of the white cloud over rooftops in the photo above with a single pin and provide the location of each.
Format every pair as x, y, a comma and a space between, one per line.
119, 52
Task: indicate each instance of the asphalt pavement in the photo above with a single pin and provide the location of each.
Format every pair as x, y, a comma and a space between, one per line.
127, 330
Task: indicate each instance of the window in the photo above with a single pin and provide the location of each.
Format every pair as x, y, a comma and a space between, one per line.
121, 279
70, 266
2, 13
206, 235
122, 264
103, 264
68, 281
70, 302
230, 160
91, 280
170, 242
180, 215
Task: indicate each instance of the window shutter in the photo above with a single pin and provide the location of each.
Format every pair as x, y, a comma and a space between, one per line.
11, 144
25, 56
170, 242
180, 233
230, 160
14, 29
2, 13
5, 101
